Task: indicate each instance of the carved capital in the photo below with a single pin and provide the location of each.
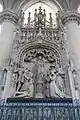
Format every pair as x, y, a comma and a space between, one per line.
8, 16
71, 16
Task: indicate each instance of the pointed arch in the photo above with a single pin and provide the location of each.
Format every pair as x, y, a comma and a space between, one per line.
26, 4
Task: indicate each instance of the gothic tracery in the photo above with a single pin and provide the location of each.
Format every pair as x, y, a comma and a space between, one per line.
35, 49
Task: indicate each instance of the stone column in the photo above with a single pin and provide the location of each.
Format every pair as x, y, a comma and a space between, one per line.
71, 22
9, 21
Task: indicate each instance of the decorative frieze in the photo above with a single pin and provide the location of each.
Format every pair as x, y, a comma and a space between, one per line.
8, 16
71, 16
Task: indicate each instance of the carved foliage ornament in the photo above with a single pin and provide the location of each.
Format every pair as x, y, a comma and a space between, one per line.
31, 52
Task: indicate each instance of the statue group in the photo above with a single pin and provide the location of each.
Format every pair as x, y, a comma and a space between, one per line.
40, 86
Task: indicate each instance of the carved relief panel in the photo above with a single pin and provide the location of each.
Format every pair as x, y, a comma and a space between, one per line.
32, 74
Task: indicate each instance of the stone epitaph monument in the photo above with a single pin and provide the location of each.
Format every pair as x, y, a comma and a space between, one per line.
38, 66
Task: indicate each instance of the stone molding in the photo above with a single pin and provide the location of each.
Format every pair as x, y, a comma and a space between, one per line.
70, 16
9, 17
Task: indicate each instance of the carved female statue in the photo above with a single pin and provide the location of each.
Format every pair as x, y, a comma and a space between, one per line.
54, 90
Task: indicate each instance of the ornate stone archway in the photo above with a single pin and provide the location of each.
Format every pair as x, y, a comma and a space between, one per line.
38, 59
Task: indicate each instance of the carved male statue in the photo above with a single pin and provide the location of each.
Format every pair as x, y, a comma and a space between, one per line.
18, 74
26, 90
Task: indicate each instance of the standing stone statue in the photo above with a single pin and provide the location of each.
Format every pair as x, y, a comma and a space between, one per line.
75, 77
60, 76
74, 74
18, 74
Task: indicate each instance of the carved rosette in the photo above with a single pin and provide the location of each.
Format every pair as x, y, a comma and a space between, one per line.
8, 16
71, 16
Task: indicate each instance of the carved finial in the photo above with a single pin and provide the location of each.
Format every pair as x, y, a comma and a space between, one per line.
21, 17
40, 10
44, 15
50, 19
29, 14
29, 18
35, 11
44, 11
58, 18
35, 16
21, 14
50, 16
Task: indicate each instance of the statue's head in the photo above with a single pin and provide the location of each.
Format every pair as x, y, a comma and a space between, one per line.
52, 75
74, 71
61, 72
30, 81
52, 67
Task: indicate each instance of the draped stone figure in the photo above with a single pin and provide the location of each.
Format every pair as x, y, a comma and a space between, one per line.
74, 73
55, 91
17, 77
75, 77
60, 76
